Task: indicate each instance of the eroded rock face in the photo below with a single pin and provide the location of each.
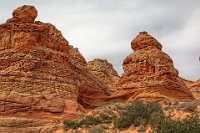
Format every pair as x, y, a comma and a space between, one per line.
105, 72
76, 58
194, 87
25, 14
41, 75
149, 73
27, 125
44, 80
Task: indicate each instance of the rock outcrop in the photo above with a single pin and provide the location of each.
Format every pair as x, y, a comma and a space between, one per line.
44, 80
149, 73
194, 88
27, 125
26, 14
41, 75
105, 72
187, 82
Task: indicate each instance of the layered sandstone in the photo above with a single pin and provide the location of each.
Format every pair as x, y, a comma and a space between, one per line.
195, 89
27, 125
149, 73
41, 75
104, 71
44, 80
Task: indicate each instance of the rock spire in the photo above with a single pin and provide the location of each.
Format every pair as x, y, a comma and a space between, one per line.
149, 73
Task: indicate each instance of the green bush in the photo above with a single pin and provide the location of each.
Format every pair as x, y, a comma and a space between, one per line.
155, 119
188, 125
123, 122
95, 129
111, 102
87, 121
132, 115
189, 107
142, 129
70, 125
105, 118
90, 120
153, 107
138, 113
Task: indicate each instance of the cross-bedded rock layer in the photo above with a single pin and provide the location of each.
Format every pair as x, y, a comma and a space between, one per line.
40, 73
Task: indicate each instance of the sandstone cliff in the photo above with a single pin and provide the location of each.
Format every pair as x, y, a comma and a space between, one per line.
41, 75
149, 73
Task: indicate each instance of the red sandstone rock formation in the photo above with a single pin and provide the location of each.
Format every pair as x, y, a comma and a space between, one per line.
105, 72
26, 14
44, 80
41, 75
187, 82
194, 87
149, 73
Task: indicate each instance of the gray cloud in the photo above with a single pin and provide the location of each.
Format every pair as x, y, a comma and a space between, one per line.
105, 28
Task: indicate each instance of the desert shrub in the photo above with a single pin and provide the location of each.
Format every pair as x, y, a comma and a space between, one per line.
122, 122
110, 113
142, 129
155, 119
96, 129
105, 118
111, 102
90, 120
70, 125
132, 115
138, 113
153, 107
118, 107
116, 101
188, 125
189, 107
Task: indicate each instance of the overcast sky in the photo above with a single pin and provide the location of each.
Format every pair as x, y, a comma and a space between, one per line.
105, 28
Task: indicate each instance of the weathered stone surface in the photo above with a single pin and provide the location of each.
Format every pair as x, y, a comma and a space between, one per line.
187, 82
149, 73
27, 125
76, 58
44, 80
25, 14
41, 75
194, 88
144, 42
105, 72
